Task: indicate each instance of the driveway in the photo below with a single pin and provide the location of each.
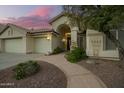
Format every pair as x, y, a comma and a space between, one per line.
10, 59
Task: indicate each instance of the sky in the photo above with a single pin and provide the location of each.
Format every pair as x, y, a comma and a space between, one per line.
29, 16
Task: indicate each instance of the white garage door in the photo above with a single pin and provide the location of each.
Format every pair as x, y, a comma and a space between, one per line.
42, 45
14, 46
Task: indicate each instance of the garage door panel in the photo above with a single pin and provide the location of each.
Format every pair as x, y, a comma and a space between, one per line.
14, 46
42, 45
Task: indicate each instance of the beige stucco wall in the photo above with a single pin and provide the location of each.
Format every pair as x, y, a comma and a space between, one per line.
1, 45
16, 33
56, 42
95, 45
29, 44
24, 44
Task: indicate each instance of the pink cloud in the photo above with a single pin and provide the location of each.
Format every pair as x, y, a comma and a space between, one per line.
29, 22
37, 18
43, 11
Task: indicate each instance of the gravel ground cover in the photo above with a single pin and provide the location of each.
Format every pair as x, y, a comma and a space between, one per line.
49, 76
110, 72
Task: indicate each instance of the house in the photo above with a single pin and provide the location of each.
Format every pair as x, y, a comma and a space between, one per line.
95, 43
16, 39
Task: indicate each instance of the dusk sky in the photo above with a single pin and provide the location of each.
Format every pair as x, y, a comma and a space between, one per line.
29, 16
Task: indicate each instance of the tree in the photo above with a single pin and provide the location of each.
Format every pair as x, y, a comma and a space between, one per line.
100, 18
79, 14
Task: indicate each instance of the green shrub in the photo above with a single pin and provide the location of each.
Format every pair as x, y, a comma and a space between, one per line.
57, 50
75, 55
26, 69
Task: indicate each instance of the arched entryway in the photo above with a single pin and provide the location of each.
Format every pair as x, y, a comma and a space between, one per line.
65, 36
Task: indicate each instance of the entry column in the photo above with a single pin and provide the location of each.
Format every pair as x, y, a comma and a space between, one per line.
74, 41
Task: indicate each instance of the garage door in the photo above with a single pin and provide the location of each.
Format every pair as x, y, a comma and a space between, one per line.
14, 46
42, 45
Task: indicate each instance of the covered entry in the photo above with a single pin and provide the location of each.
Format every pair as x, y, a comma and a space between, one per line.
65, 35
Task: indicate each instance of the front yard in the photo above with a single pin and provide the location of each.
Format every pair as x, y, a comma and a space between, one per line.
49, 76
110, 72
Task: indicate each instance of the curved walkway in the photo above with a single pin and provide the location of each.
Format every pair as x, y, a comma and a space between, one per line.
77, 76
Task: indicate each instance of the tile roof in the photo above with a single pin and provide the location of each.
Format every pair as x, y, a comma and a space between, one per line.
32, 31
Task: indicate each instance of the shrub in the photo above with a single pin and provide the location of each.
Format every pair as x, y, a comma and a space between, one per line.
57, 50
26, 69
75, 55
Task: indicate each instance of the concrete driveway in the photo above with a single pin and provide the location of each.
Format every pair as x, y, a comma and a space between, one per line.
10, 59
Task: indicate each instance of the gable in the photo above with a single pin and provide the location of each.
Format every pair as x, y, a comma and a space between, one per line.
59, 21
12, 32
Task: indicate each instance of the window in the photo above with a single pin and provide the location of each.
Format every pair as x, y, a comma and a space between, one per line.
109, 45
10, 32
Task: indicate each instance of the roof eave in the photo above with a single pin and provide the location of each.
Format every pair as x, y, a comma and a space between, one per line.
35, 33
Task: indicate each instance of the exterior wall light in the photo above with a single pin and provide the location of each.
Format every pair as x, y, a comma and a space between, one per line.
48, 37
63, 40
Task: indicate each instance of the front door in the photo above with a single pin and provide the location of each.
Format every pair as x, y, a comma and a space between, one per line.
68, 43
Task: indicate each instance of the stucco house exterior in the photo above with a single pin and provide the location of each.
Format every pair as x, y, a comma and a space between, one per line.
15, 39
95, 43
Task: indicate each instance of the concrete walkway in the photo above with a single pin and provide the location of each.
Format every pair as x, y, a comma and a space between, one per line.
77, 76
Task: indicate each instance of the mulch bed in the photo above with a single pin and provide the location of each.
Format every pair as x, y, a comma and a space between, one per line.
49, 76
110, 72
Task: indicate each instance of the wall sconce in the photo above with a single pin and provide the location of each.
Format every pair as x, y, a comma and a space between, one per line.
63, 40
48, 37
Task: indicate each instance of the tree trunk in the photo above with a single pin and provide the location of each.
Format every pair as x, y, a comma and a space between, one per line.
117, 44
